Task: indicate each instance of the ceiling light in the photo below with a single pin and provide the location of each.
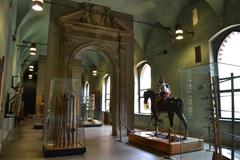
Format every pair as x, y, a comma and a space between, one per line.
33, 49
37, 5
31, 66
179, 32
94, 72
179, 36
30, 76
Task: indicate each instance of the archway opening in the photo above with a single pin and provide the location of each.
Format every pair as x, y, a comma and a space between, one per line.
29, 89
96, 73
142, 83
228, 62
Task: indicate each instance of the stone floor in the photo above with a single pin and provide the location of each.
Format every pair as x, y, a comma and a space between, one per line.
25, 143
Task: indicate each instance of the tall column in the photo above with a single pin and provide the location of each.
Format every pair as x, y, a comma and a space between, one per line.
76, 70
126, 86
41, 79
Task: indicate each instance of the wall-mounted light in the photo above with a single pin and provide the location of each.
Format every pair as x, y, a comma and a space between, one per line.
179, 32
37, 5
33, 49
31, 68
30, 76
94, 72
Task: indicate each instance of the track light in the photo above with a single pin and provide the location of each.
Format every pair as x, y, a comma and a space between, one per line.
33, 49
37, 5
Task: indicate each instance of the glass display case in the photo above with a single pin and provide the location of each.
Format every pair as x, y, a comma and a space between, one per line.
208, 97
212, 107
63, 122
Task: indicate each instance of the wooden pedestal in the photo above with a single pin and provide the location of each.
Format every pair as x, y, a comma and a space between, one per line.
161, 144
55, 152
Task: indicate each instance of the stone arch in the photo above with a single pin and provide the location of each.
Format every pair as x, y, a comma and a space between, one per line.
72, 34
141, 62
216, 40
136, 80
105, 52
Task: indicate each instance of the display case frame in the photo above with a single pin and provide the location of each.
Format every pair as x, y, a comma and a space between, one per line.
63, 132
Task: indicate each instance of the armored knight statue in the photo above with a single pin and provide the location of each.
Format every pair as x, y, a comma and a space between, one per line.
164, 90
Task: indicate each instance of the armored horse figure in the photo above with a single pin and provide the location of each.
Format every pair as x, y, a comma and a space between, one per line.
170, 106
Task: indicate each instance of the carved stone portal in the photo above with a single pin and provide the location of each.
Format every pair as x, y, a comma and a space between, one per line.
99, 28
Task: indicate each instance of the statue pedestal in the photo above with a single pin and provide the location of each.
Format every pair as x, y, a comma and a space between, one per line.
162, 144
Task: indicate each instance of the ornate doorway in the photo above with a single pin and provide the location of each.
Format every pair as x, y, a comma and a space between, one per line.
95, 27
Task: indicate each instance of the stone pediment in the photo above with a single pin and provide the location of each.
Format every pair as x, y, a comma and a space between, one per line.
93, 14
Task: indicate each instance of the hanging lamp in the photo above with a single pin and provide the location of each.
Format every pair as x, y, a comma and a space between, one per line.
94, 72
30, 68
33, 49
37, 5
30, 76
179, 32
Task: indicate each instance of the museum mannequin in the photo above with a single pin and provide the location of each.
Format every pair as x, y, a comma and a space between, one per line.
18, 103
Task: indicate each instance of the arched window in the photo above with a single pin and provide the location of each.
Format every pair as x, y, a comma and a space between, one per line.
144, 83
228, 62
106, 93
86, 92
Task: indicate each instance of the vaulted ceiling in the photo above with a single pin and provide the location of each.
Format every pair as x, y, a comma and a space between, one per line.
91, 58
33, 26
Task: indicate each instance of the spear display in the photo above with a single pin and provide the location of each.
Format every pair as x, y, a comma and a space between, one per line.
65, 109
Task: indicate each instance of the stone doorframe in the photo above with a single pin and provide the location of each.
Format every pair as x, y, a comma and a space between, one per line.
99, 28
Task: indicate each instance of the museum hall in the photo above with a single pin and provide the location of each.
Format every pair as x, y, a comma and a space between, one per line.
120, 80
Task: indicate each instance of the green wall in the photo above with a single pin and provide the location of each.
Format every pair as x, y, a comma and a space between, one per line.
181, 56
7, 46
7, 49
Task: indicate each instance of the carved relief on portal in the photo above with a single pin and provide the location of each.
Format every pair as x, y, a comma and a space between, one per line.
97, 15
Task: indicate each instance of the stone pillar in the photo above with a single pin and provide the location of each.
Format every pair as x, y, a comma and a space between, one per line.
41, 79
41, 82
126, 85
76, 70
115, 98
